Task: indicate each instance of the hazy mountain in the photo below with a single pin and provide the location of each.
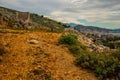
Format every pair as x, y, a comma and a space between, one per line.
70, 24
117, 30
89, 29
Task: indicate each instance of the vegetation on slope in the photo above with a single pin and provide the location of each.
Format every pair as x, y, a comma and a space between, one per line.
112, 41
68, 39
103, 65
50, 24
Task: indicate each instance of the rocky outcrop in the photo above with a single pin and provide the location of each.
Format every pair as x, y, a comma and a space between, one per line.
24, 16
33, 41
71, 31
14, 19
86, 41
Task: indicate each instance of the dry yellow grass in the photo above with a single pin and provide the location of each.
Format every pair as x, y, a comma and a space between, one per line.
42, 61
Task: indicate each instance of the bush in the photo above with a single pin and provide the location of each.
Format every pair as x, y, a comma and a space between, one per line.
39, 74
86, 60
68, 39
74, 49
77, 49
116, 54
102, 65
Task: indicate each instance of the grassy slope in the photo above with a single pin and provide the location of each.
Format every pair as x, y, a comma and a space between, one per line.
42, 61
44, 21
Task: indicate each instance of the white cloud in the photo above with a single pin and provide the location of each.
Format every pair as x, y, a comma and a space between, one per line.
11, 2
62, 17
70, 10
67, 20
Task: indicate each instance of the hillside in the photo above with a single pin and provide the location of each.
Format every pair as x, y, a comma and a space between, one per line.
24, 20
91, 29
70, 24
32, 48
44, 60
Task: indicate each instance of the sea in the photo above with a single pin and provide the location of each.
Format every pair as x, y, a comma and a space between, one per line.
116, 34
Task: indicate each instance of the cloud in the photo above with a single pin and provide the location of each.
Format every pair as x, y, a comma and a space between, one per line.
63, 17
13, 2
68, 20
71, 10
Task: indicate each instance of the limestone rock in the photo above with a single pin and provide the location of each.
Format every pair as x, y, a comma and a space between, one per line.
33, 41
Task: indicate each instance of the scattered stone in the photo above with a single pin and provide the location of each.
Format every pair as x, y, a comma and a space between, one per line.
33, 41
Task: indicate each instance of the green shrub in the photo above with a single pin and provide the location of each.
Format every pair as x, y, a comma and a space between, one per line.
116, 54
87, 58
73, 45
68, 39
102, 65
39, 74
77, 49
98, 71
74, 49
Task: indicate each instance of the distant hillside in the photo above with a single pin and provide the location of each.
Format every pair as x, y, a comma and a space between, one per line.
70, 24
91, 29
25, 20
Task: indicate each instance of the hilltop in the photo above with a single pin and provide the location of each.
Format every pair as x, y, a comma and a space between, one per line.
14, 19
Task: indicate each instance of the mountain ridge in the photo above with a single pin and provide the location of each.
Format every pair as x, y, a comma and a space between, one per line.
84, 28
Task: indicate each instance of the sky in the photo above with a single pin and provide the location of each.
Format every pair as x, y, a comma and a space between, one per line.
101, 13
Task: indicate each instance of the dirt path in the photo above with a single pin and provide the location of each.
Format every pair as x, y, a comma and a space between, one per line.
64, 68
43, 61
